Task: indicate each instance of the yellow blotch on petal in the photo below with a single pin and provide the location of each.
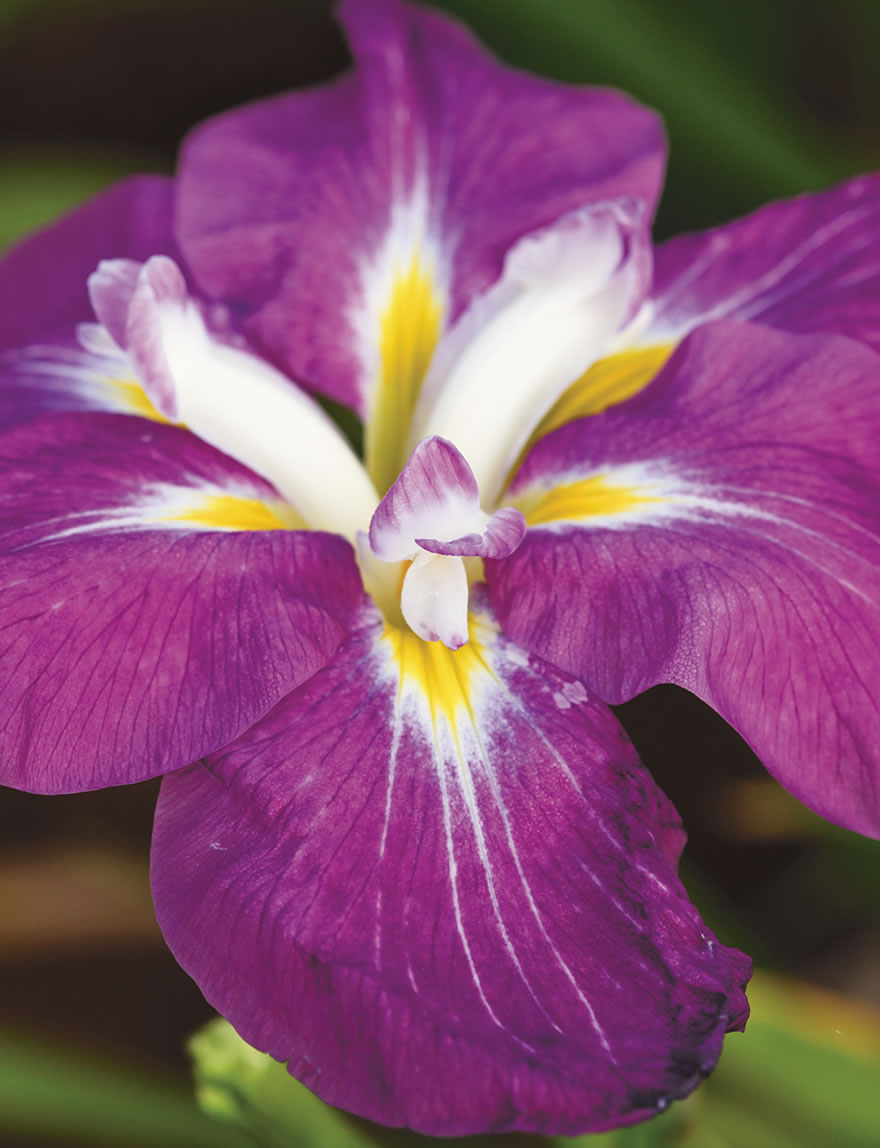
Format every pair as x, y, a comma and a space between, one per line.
604, 384
133, 399
594, 497
409, 330
445, 677
231, 512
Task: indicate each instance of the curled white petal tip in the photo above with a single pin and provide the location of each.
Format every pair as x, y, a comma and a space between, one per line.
228, 396
434, 504
160, 317
111, 286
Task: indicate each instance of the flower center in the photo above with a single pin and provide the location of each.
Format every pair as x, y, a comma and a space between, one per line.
419, 535
563, 294
432, 518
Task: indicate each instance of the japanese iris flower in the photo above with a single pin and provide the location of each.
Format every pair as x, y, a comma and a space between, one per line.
402, 842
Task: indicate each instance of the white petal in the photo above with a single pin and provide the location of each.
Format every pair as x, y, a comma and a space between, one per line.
434, 599
244, 407
563, 295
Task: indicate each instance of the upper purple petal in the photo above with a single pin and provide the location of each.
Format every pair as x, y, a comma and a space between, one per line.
463, 923
808, 264
742, 561
132, 639
285, 205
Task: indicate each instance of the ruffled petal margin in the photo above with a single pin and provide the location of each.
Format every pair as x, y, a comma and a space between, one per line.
152, 607
459, 884
810, 264
721, 530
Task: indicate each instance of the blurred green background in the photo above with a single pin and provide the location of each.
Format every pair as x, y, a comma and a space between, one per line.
761, 100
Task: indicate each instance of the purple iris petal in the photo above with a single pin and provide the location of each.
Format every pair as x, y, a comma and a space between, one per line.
43, 283
462, 925
285, 205
133, 640
807, 264
745, 564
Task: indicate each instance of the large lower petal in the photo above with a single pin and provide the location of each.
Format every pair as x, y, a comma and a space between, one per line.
151, 605
350, 224
443, 887
721, 530
43, 285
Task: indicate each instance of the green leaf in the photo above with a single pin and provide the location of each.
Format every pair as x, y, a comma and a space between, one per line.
36, 188
805, 1072
735, 139
59, 1096
802, 1076
237, 1084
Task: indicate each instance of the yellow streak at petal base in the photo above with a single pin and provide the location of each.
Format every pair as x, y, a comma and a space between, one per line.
604, 384
445, 677
594, 497
132, 397
409, 330
231, 512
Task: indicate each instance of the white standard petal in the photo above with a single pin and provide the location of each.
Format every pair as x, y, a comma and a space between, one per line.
563, 295
434, 599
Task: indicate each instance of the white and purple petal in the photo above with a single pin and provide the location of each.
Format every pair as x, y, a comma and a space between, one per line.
435, 494
498, 537
805, 265
434, 503
458, 881
721, 530
43, 281
226, 395
419, 171
151, 606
